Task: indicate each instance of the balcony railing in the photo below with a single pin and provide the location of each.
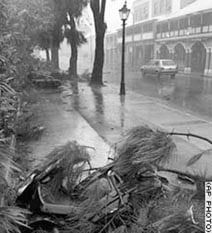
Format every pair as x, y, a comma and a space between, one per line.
184, 32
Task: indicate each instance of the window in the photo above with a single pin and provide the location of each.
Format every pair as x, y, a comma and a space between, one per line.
158, 28
141, 12
174, 25
137, 29
148, 27
168, 63
136, 15
145, 11
207, 19
168, 6
165, 27
156, 9
183, 23
195, 21
160, 7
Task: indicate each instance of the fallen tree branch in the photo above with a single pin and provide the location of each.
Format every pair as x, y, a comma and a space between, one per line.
191, 135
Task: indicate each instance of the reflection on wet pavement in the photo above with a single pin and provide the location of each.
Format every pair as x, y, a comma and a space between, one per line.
64, 124
117, 114
122, 113
107, 116
191, 92
98, 99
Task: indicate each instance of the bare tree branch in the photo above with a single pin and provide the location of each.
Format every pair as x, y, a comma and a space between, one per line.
191, 135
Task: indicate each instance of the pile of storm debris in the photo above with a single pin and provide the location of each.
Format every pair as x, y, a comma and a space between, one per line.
132, 193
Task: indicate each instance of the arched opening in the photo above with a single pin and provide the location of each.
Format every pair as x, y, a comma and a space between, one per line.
148, 52
164, 52
198, 57
180, 56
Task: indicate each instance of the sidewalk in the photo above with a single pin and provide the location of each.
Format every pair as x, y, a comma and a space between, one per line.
111, 115
62, 124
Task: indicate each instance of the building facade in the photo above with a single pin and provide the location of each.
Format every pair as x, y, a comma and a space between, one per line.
140, 36
184, 3
180, 30
186, 37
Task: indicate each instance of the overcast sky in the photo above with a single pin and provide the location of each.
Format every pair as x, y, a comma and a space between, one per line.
112, 17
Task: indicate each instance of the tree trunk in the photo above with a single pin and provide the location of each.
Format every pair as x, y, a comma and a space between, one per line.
73, 67
47, 55
73, 59
55, 57
100, 28
97, 73
73, 62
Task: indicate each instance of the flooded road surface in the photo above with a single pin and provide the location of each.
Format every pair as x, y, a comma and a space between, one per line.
190, 92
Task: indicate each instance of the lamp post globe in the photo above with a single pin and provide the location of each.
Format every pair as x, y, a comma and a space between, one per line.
124, 14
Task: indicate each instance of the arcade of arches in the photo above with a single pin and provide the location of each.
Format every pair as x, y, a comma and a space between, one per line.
195, 58
198, 57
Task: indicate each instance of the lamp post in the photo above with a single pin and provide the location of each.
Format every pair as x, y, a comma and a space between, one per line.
124, 13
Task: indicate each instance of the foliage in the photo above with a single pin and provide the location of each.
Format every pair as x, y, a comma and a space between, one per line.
130, 194
74, 37
11, 218
70, 159
142, 145
35, 20
15, 60
178, 222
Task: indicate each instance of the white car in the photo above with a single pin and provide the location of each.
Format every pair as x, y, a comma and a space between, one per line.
160, 66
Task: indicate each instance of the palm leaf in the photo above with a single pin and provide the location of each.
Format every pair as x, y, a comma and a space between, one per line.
196, 157
179, 222
7, 88
11, 218
141, 147
6, 162
69, 161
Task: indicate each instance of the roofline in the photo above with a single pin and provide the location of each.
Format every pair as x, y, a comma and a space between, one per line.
188, 14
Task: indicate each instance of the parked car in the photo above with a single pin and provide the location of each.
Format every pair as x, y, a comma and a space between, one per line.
160, 66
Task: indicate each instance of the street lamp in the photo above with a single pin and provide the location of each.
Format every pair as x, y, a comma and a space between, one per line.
124, 13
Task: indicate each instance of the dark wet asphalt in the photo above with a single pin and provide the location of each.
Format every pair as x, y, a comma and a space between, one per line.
191, 92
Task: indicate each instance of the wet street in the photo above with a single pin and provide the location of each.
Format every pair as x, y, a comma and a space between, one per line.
188, 92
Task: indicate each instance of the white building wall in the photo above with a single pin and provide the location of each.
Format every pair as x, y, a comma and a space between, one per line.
175, 6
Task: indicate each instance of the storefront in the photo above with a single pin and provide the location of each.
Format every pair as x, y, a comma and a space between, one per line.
187, 38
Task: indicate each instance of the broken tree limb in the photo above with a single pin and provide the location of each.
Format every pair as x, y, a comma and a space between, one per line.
191, 135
